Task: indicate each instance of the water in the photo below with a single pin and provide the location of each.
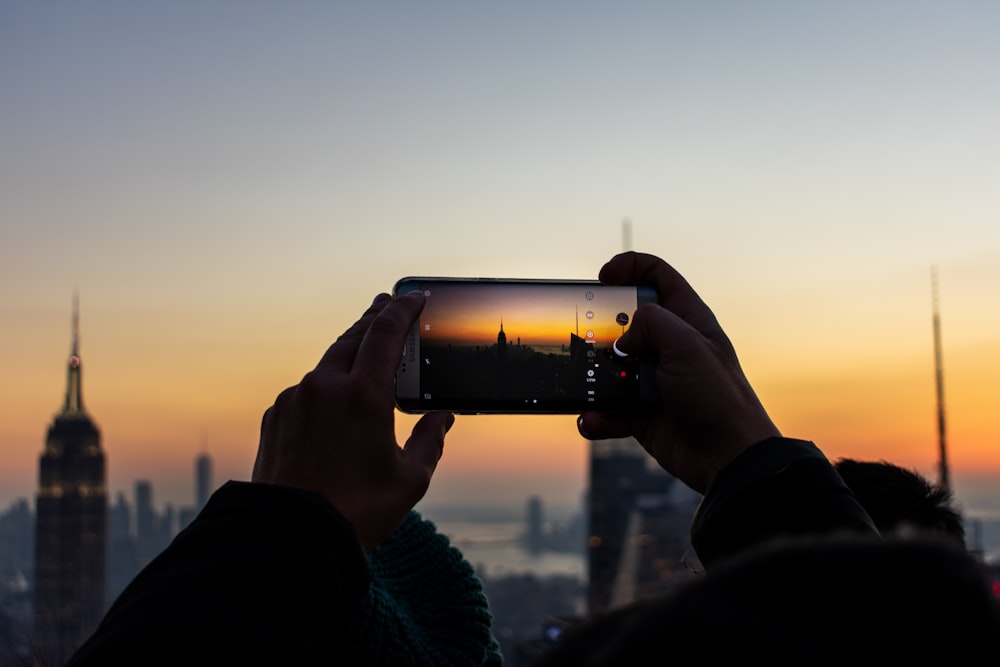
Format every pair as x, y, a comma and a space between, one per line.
494, 549
490, 538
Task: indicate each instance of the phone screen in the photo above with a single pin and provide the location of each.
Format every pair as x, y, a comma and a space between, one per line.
488, 345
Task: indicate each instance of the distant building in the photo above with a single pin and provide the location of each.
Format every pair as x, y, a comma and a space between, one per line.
501, 342
17, 542
166, 527
541, 535
17, 549
202, 480
146, 524
639, 521
123, 561
71, 528
535, 537
137, 536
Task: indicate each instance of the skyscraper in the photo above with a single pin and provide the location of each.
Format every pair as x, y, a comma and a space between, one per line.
71, 524
639, 520
145, 522
944, 478
638, 515
202, 480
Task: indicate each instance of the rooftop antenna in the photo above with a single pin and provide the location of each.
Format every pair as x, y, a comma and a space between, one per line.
943, 477
626, 235
76, 323
73, 404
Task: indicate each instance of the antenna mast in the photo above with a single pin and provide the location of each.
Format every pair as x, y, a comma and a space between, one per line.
76, 323
943, 477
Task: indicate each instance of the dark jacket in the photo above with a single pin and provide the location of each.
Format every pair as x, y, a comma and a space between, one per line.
264, 575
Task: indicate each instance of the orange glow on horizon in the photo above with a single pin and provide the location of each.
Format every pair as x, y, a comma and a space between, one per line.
156, 414
890, 412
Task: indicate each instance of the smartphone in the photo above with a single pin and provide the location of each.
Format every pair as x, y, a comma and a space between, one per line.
522, 346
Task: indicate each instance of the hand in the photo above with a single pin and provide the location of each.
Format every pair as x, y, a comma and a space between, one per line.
334, 432
710, 413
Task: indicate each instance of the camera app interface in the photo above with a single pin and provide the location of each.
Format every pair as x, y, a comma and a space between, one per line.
525, 347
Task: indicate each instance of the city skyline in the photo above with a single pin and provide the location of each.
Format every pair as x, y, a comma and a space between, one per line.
175, 492
227, 187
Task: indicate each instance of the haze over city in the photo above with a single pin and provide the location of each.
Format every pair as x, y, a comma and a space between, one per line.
228, 185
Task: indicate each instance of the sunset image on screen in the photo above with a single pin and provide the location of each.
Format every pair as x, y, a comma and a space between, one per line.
522, 346
544, 318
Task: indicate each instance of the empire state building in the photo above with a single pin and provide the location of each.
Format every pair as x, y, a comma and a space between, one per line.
71, 525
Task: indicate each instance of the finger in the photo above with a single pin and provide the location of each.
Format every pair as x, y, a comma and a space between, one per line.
653, 332
603, 425
425, 445
340, 355
382, 346
262, 463
676, 294
657, 333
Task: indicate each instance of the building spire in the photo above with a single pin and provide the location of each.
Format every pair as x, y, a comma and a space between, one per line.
626, 234
943, 476
73, 405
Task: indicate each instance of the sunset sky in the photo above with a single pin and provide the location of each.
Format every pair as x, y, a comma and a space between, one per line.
228, 184
470, 314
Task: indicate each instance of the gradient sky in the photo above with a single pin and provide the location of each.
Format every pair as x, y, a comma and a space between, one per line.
472, 314
228, 184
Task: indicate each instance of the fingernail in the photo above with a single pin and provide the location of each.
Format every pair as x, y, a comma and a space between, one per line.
614, 346
579, 426
412, 293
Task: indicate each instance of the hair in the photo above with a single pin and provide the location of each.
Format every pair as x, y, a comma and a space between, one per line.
901, 501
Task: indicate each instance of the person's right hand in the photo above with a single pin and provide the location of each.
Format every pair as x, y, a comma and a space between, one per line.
710, 414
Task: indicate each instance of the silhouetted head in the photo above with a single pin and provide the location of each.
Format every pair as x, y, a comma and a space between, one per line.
901, 501
816, 600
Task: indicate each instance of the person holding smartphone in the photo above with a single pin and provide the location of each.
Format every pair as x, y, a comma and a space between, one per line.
274, 570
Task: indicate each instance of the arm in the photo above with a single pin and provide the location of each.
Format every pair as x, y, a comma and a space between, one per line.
780, 487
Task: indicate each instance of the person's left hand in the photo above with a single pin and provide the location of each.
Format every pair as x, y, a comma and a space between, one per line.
334, 432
